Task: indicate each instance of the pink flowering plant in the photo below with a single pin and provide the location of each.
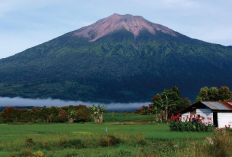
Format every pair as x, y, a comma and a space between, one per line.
190, 124
228, 128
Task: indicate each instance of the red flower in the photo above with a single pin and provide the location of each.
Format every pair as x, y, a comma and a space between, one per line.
172, 117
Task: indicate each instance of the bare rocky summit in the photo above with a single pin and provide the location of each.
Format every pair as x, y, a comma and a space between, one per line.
115, 22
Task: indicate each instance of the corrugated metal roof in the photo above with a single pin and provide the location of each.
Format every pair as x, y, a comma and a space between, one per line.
228, 105
215, 105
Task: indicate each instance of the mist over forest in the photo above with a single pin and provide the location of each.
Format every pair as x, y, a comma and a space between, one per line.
17, 101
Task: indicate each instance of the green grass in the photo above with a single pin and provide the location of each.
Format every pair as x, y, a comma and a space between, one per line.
126, 117
150, 131
87, 139
121, 140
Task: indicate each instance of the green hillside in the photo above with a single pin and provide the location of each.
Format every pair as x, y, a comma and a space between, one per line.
115, 68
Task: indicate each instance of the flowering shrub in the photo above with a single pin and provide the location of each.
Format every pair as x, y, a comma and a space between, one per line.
190, 124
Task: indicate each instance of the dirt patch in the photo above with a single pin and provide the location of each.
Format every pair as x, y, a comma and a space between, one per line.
146, 120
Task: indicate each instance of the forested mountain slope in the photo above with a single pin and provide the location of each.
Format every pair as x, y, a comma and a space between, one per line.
121, 58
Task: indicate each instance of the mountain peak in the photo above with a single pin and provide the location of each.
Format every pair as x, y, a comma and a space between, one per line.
115, 22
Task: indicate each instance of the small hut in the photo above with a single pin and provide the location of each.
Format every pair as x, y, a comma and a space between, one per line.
212, 112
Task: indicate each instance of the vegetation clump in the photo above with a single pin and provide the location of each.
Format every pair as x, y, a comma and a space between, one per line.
214, 94
190, 124
165, 104
98, 112
79, 113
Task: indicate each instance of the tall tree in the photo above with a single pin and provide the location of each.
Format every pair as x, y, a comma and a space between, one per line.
168, 102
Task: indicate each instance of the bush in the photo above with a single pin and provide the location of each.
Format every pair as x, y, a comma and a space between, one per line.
83, 113
110, 140
74, 143
63, 116
191, 125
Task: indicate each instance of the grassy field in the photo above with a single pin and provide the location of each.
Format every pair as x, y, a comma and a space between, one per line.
126, 117
88, 139
61, 139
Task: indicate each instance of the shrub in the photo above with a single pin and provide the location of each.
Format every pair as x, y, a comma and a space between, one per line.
29, 142
189, 125
9, 114
63, 116
109, 140
83, 113
74, 143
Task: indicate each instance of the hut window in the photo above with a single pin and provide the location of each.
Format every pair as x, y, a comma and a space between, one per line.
193, 112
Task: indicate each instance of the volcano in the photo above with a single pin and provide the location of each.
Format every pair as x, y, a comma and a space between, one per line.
121, 58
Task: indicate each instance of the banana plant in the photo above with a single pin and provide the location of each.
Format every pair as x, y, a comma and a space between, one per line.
98, 112
98, 108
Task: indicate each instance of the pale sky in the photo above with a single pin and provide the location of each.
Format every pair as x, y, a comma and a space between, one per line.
27, 23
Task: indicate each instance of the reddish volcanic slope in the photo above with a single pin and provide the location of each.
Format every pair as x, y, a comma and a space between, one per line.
133, 24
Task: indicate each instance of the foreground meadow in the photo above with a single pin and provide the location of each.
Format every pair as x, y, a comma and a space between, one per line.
113, 138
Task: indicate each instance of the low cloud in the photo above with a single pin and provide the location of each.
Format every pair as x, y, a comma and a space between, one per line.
5, 101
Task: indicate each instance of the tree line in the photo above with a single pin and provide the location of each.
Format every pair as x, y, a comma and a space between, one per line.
170, 101
163, 105
79, 113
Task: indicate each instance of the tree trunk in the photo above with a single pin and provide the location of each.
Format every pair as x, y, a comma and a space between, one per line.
166, 113
70, 121
156, 114
98, 118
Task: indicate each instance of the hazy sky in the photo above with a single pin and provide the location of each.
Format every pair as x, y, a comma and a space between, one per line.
27, 23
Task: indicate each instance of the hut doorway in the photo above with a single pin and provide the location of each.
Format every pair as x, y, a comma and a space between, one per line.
215, 119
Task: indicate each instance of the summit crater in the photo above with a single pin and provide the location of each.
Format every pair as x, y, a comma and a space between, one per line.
115, 22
